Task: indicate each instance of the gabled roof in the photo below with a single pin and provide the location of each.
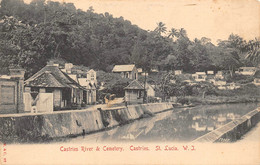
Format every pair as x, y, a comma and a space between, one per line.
257, 74
51, 76
123, 68
135, 85
46, 79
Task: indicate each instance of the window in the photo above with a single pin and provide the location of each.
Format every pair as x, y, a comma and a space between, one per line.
127, 75
7, 94
139, 94
92, 76
49, 90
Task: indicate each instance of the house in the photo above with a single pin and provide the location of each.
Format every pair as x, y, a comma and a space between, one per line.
257, 78
91, 90
199, 76
11, 92
219, 75
134, 92
219, 82
126, 71
50, 79
177, 72
232, 86
150, 90
210, 72
249, 71
141, 73
87, 78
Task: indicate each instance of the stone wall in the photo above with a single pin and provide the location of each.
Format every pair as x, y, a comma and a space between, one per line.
233, 130
47, 126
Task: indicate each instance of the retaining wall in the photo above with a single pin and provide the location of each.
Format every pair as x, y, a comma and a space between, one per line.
45, 126
233, 130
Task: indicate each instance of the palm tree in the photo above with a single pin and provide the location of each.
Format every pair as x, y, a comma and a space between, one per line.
160, 28
253, 54
173, 33
182, 32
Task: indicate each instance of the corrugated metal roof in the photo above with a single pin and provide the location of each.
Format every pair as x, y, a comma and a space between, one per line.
123, 68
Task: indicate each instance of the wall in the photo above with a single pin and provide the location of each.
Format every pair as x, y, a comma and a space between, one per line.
41, 127
8, 96
233, 130
57, 97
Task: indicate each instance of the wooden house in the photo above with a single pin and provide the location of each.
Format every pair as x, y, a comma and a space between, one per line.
134, 92
50, 79
126, 71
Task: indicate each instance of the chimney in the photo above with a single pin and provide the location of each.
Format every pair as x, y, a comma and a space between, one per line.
68, 67
17, 73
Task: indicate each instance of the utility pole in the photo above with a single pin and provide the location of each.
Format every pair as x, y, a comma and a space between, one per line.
144, 98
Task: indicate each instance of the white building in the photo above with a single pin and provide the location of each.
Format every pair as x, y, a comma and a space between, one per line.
199, 76
248, 71
126, 71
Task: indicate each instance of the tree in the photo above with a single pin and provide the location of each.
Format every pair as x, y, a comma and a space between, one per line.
173, 33
160, 28
253, 53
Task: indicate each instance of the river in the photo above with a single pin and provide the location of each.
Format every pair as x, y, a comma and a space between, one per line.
176, 125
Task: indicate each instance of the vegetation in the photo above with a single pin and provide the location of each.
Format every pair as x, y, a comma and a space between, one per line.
32, 34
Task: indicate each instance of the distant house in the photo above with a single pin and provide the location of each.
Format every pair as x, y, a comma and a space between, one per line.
177, 72
11, 92
50, 79
219, 82
210, 72
249, 71
199, 76
126, 71
219, 75
141, 73
150, 90
257, 78
232, 86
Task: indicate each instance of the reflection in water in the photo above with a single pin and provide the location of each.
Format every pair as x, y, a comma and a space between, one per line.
176, 125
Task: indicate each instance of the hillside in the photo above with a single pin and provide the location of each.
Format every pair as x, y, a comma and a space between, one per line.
32, 34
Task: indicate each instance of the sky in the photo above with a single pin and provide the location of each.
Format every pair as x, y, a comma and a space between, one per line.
214, 19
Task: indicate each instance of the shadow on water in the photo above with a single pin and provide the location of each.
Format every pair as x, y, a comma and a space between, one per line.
180, 125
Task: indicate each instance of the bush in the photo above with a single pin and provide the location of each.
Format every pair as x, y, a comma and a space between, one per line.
183, 100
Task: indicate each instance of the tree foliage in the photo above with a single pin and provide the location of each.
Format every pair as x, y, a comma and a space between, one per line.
32, 34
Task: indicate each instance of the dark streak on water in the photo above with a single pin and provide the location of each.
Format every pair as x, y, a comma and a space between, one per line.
177, 125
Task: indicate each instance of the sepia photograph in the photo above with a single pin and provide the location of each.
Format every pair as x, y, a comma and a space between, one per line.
130, 82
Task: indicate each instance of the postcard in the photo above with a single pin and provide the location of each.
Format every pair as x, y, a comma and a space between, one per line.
129, 82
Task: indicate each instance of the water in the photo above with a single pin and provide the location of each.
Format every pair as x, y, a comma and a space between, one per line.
177, 125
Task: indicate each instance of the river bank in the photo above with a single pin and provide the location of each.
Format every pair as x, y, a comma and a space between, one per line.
42, 127
211, 100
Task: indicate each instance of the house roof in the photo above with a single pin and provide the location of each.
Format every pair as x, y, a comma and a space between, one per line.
247, 67
51, 76
201, 73
123, 68
135, 85
257, 74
